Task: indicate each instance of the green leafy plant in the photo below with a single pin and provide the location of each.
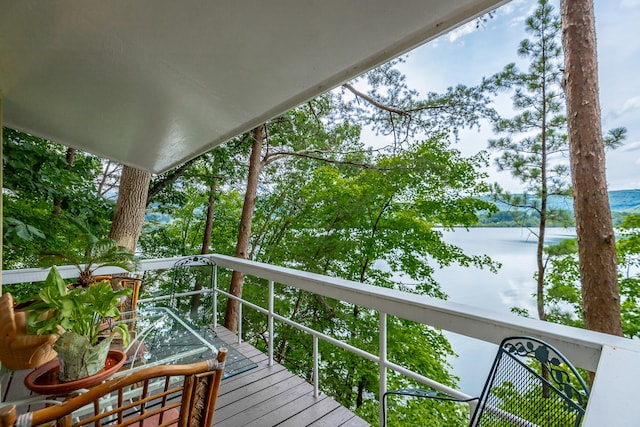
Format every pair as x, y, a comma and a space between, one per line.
86, 312
92, 253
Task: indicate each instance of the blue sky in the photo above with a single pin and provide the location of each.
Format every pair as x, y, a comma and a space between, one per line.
467, 54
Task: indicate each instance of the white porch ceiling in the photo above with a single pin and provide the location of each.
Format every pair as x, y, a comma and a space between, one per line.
152, 83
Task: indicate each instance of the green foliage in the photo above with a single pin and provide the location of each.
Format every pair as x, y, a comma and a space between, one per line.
82, 311
41, 193
562, 282
537, 134
91, 253
173, 230
364, 224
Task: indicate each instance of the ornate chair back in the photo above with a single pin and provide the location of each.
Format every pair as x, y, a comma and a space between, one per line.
191, 274
531, 384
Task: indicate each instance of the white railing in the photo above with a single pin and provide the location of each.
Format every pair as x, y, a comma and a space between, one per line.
616, 360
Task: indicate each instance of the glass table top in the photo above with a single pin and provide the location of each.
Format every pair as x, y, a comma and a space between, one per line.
161, 336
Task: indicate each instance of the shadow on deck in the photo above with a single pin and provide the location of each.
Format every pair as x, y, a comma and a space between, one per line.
272, 396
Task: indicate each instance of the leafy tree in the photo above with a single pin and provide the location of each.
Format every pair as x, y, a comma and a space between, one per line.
367, 225
42, 191
174, 230
391, 108
538, 95
536, 137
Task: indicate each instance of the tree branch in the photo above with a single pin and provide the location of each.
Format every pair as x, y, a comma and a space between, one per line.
169, 179
374, 102
308, 154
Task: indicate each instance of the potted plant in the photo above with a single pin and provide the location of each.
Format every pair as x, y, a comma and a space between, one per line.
91, 253
83, 317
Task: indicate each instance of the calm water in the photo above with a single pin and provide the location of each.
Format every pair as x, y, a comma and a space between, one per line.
512, 286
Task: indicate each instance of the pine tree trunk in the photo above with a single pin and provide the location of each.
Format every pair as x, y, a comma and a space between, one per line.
130, 208
596, 242
244, 232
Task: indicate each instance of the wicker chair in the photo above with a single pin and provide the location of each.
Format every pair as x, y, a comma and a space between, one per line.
530, 384
166, 395
19, 349
127, 281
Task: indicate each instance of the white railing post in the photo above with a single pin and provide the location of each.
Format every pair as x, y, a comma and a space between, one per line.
215, 296
382, 364
239, 323
316, 380
270, 323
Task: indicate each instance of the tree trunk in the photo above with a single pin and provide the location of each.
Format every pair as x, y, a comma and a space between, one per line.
206, 242
57, 204
596, 242
244, 232
130, 208
544, 195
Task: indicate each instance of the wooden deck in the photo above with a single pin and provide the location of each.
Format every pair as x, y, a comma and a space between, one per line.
262, 396
272, 396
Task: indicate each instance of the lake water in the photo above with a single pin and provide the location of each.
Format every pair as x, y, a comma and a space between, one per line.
512, 286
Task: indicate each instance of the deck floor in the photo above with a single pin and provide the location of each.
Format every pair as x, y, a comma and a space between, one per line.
262, 396
272, 396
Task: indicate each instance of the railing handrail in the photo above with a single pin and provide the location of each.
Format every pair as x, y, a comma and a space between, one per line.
582, 347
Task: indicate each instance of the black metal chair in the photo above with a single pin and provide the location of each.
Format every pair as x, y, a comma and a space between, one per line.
531, 384
189, 276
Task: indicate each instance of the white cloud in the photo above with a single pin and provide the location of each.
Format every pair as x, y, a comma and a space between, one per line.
511, 7
631, 146
507, 9
630, 3
630, 105
516, 6
468, 28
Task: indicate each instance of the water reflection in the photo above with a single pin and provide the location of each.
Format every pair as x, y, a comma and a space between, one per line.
513, 286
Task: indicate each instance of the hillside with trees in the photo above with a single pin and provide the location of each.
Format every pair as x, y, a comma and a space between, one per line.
623, 203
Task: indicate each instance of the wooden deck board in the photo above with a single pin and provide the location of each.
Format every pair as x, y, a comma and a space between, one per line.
260, 397
271, 395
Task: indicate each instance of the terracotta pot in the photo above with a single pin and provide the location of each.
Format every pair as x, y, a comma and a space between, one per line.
44, 380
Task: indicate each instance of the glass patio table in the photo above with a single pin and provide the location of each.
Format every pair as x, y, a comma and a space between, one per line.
159, 336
